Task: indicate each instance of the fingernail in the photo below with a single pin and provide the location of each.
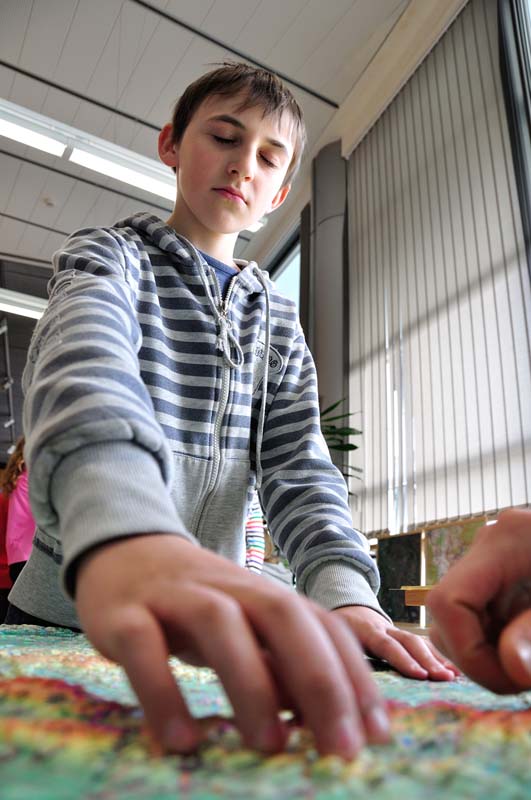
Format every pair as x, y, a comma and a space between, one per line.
421, 672
440, 669
179, 737
378, 724
346, 738
523, 650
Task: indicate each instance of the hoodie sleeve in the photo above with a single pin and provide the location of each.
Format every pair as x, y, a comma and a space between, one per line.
99, 463
305, 497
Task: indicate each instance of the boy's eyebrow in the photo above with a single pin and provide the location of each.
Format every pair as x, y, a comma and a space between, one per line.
239, 124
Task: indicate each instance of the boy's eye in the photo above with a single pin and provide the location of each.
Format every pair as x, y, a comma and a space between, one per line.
222, 139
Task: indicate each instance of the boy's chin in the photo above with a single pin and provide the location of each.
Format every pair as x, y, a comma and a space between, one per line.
230, 226
230, 230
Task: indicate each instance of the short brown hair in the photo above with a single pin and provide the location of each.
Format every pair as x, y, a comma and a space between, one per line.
261, 87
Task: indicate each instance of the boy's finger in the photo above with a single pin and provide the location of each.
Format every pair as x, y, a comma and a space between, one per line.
312, 672
441, 657
224, 640
390, 650
369, 700
419, 649
139, 646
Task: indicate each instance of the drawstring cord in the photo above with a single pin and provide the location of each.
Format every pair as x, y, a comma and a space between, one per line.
226, 341
265, 383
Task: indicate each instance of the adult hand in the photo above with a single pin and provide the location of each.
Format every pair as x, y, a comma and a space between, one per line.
482, 607
145, 597
413, 656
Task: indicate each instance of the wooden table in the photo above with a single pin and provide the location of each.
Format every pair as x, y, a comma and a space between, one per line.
416, 595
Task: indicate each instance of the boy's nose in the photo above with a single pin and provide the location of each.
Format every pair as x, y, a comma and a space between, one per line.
242, 167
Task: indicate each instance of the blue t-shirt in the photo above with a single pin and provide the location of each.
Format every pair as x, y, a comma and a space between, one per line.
224, 272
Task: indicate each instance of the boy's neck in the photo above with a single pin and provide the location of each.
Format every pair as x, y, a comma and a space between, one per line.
219, 246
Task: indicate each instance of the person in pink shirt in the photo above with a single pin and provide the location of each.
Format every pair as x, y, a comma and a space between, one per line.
20, 523
5, 580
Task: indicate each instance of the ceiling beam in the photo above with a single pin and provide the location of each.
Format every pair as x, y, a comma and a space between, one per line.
34, 224
218, 43
79, 95
15, 258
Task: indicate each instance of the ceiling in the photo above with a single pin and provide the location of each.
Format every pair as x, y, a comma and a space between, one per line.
114, 68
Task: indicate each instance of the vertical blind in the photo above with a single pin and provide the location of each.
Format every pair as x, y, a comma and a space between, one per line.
440, 300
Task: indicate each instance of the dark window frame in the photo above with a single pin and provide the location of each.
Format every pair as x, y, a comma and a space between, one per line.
283, 253
514, 25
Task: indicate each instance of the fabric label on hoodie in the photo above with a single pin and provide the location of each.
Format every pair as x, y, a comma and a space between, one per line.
275, 359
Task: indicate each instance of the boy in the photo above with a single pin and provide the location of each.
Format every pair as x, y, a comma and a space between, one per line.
156, 396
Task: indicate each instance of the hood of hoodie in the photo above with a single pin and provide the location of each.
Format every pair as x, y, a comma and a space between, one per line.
165, 238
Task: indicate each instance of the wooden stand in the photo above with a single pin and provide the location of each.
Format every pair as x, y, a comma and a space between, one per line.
416, 595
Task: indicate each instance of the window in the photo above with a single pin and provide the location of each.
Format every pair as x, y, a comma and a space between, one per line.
286, 274
440, 298
514, 19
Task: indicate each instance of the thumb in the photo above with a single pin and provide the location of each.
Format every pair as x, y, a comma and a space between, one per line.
514, 649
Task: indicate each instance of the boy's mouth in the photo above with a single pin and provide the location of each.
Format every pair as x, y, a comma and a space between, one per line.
230, 193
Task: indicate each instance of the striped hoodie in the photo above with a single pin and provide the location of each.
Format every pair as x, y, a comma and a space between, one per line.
151, 404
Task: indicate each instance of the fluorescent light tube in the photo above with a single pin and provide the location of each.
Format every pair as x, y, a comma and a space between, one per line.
25, 305
24, 135
88, 151
122, 173
20, 310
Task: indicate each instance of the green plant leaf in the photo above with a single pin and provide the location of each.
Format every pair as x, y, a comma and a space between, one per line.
346, 431
336, 436
334, 429
339, 416
331, 408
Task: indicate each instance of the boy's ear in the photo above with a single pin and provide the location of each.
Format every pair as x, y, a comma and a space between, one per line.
168, 151
280, 196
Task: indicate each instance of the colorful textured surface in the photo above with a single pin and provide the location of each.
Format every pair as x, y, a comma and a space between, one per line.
70, 728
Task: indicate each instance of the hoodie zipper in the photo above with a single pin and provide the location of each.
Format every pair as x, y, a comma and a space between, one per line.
222, 407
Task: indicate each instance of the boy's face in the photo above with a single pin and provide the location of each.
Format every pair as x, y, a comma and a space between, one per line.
230, 165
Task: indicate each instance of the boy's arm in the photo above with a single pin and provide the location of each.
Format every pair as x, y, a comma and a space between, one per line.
89, 421
305, 499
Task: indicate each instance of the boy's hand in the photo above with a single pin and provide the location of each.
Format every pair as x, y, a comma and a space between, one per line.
413, 656
143, 598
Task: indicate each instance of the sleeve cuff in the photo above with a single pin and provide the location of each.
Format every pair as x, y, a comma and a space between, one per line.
335, 584
109, 491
